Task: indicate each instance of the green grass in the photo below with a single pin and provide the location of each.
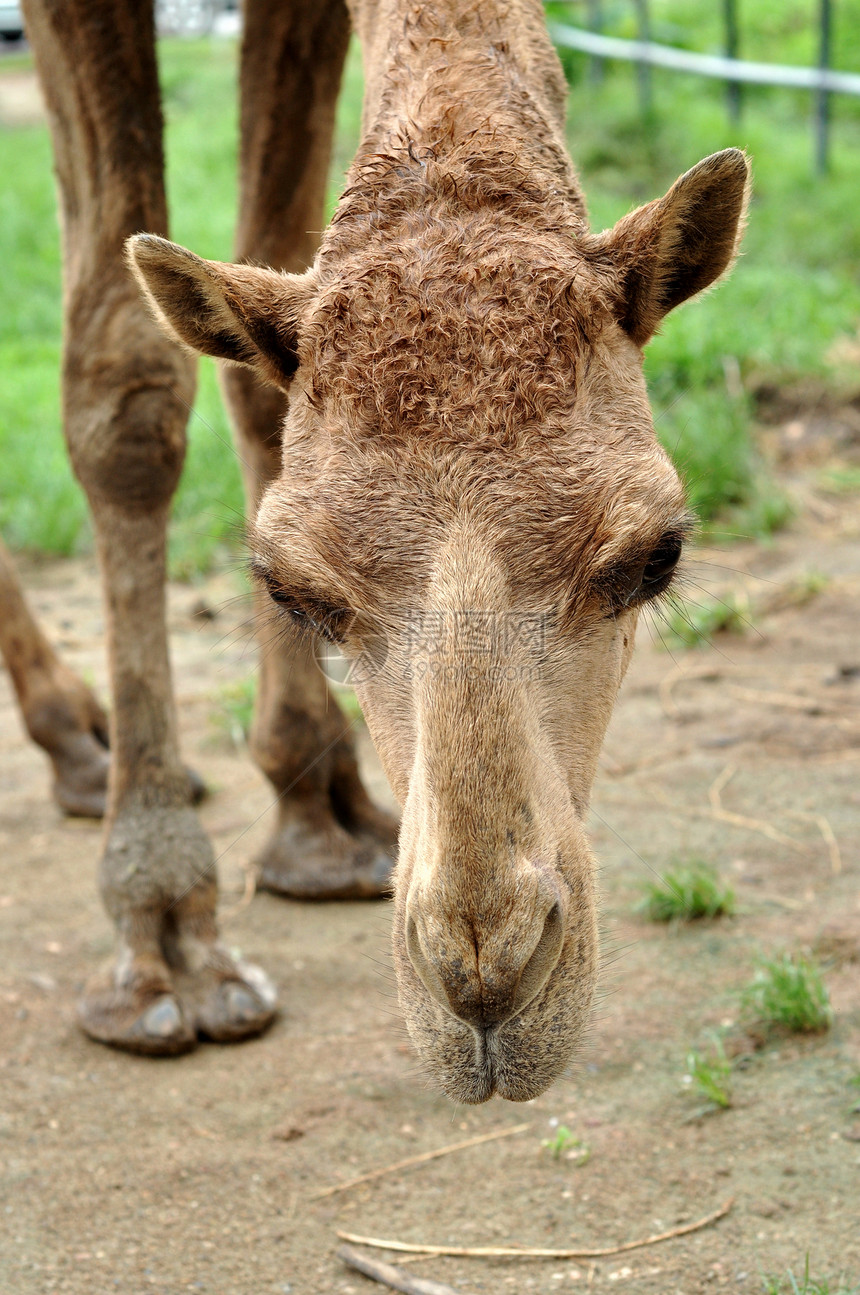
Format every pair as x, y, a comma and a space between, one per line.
687, 893
693, 622
794, 295
806, 586
41, 505
790, 1284
349, 704
564, 1145
789, 993
842, 480
709, 1075
796, 289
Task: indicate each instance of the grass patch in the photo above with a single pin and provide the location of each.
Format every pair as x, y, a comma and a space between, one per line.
709, 1075
788, 993
564, 1145
806, 586
842, 480
691, 623
687, 894
790, 1284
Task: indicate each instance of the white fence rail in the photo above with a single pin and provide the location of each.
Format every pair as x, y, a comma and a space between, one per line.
712, 65
822, 80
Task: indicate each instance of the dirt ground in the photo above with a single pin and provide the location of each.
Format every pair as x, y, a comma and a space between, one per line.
199, 1174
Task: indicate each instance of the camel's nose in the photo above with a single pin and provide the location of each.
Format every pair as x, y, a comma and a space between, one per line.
486, 973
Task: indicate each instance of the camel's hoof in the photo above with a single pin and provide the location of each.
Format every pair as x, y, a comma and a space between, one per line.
153, 1027
331, 865
81, 776
76, 802
235, 1010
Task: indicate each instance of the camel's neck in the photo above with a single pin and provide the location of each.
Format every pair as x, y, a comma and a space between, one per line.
452, 80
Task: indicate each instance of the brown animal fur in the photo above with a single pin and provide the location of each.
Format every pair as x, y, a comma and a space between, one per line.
468, 450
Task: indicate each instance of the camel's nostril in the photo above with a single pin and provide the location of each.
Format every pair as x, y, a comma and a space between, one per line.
541, 964
485, 982
444, 977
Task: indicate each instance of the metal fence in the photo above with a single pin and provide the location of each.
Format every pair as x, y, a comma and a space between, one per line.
822, 80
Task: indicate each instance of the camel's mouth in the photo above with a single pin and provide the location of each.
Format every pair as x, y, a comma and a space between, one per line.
517, 1059
500, 1069
514, 1060
479, 1081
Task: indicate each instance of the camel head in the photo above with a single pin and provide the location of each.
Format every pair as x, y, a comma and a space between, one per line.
474, 506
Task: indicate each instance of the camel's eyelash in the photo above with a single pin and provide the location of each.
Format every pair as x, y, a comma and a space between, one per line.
309, 616
306, 612
635, 582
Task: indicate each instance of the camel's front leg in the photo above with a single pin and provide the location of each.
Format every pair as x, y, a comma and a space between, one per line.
126, 393
331, 841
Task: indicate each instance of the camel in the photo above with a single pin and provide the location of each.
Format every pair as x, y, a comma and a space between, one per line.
470, 501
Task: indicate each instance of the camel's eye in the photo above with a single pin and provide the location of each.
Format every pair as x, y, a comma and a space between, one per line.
630, 583
660, 567
307, 611
312, 614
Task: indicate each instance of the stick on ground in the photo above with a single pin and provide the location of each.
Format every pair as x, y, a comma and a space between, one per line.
823, 825
741, 820
419, 1160
388, 1275
534, 1252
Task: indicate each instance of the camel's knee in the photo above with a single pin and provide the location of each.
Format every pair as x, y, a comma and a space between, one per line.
127, 393
127, 442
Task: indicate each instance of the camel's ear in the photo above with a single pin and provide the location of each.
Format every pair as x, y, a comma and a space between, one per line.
235, 312
663, 253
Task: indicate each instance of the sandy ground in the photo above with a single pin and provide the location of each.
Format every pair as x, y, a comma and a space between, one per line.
198, 1174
